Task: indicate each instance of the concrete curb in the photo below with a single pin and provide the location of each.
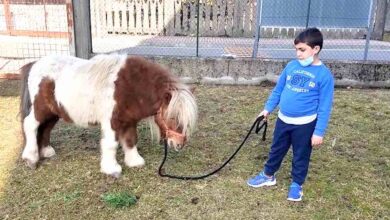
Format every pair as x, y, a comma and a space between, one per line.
247, 71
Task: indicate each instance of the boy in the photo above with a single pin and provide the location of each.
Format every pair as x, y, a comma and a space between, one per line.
304, 93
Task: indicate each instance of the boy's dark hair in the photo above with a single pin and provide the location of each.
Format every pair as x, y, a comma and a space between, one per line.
311, 36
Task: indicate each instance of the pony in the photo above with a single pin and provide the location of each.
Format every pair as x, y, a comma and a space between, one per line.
113, 90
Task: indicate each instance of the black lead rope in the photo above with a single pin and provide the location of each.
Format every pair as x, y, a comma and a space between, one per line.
258, 124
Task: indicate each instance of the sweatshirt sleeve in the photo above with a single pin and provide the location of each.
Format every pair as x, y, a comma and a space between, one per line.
325, 104
274, 98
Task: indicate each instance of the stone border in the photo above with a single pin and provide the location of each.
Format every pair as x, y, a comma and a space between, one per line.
247, 71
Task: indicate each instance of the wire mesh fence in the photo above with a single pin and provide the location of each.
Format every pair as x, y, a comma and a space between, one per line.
175, 28
218, 28
30, 29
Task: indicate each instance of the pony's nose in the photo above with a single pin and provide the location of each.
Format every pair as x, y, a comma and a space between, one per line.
179, 146
170, 143
175, 140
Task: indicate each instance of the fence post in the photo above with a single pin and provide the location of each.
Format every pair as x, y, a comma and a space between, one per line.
79, 24
370, 28
308, 14
259, 5
380, 20
8, 17
197, 28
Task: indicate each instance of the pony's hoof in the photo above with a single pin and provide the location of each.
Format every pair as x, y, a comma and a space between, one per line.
47, 152
116, 175
31, 158
113, 170
31, 164
135, 162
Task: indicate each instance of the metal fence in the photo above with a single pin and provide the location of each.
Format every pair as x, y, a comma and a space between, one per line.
30, 29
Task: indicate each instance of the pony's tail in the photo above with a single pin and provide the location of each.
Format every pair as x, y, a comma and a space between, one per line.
25, 101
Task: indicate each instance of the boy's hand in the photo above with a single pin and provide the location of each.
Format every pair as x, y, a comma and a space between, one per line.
316, 141
264, 113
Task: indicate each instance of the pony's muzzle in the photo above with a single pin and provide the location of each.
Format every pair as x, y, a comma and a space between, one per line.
175, 140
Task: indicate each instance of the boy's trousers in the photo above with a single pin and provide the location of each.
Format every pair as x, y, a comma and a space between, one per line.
299, 136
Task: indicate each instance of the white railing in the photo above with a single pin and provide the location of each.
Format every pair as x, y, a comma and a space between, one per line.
234, 18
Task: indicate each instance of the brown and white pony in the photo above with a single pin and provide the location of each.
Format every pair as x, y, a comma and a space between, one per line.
115, 91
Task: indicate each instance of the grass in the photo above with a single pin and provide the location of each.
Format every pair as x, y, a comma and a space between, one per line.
349, 177
120, 199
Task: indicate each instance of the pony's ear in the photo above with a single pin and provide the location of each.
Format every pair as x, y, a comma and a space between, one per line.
192, 89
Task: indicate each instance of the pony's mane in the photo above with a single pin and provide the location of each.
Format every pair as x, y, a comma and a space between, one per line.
183, 107
102, 66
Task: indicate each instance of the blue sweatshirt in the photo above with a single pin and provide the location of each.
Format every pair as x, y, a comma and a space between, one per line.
303, 91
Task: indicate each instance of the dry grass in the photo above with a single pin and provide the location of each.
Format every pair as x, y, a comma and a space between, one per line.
10, 129
349, 176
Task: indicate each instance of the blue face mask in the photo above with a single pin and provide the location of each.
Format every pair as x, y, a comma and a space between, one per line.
307, 61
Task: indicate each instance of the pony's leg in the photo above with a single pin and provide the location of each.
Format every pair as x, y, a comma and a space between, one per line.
30, 153
109, 145
128, 142
45, 150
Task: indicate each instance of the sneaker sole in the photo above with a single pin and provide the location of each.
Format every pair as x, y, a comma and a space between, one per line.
263, 184
294, 200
